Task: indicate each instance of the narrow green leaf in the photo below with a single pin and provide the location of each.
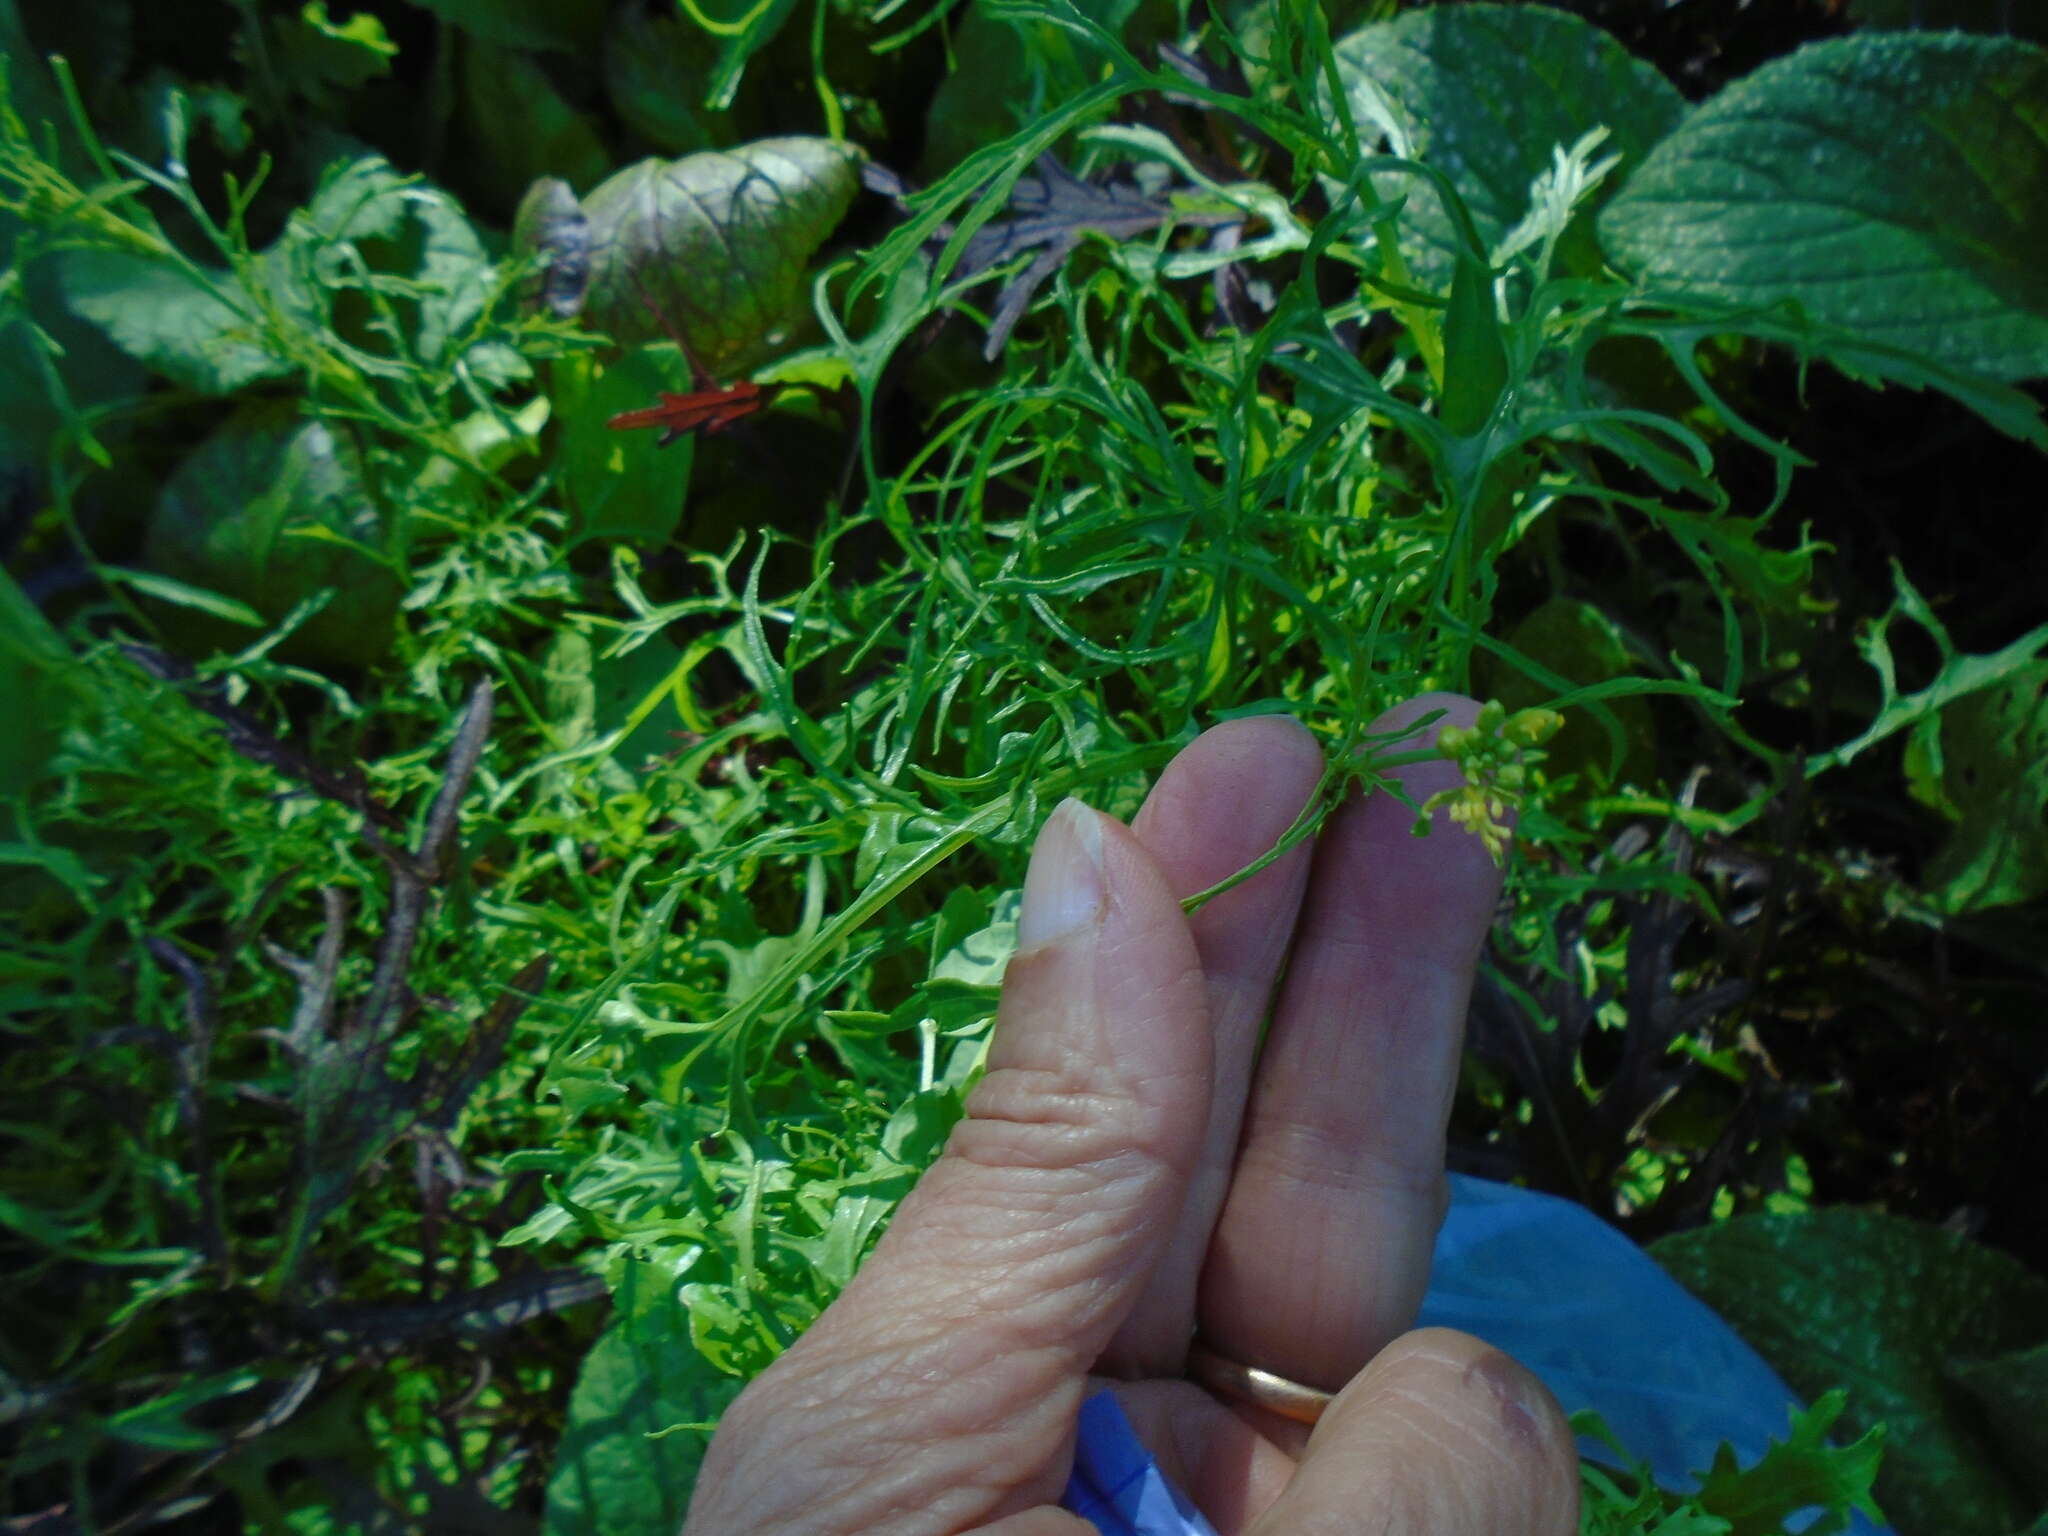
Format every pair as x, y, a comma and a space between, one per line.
182, 594
1475, 355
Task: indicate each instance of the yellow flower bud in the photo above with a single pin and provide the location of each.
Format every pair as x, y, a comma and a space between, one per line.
1532, 727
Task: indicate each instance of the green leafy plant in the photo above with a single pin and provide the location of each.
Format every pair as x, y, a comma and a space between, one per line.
468, 859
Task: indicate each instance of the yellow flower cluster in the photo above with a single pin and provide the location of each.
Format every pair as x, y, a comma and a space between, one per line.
1495, 754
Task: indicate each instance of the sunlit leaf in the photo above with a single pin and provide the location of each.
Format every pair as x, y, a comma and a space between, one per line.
1892, 184
1486, 94
715, 244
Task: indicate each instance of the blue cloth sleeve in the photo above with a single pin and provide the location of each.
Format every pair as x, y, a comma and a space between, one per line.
1571, 1298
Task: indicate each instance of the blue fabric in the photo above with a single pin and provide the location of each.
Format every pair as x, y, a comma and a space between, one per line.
1568, 1296
1117, 1485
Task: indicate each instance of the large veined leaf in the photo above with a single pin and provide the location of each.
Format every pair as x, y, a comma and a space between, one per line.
1893, 184
1886, 1308
715, 244
1484, 93
625, 1466
270, 511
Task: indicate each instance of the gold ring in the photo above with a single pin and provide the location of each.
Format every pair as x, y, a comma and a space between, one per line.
1248, 1384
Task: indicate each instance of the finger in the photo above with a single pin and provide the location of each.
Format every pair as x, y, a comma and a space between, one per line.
1441, 1435
1042, 1521
1224, 801
1322, 1253
1210, 1451
940, 1391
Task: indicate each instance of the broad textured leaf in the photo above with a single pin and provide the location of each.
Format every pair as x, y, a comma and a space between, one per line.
1613, 744
1983, 762
619, 485
200, 332
209, 333
1883, 1307
243, 515
715, 244
1893, 184
92, 369
612, 1476
1486, 92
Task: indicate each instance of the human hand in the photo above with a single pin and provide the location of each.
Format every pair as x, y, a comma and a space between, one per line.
1128, 1174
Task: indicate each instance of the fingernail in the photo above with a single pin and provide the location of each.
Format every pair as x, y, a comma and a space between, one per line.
1063, 891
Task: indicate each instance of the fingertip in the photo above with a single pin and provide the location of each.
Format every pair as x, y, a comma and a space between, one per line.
1470, 1439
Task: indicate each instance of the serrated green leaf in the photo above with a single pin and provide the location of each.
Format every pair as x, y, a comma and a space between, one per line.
1486, 93
1880, 1305
1802, 1471
203, 328
715, 244
1892, 184
1960, 676
617, 1472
